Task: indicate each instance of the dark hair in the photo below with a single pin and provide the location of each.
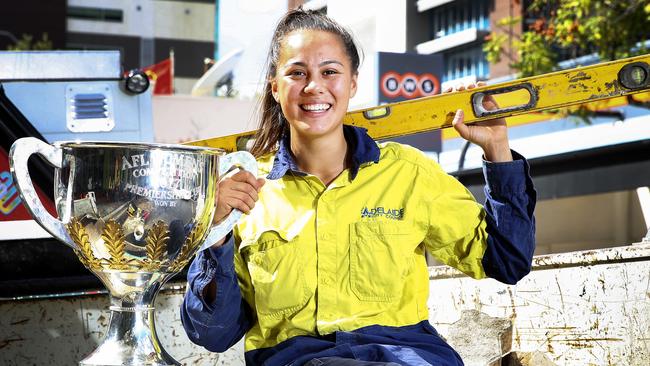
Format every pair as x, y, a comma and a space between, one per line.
273, 124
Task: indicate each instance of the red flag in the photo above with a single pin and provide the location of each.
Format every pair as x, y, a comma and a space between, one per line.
161, 76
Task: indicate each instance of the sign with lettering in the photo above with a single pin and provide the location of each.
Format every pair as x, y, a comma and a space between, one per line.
404, 76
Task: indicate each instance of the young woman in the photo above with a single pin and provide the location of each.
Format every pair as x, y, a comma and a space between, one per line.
328, 266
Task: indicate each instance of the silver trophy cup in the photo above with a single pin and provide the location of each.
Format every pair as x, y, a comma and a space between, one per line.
134, 214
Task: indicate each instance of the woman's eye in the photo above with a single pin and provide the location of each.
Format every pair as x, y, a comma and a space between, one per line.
296, 73
330, 72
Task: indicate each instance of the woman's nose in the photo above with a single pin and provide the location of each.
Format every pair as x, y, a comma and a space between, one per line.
314, 86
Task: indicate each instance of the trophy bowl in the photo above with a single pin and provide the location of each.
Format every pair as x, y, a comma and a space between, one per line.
134, 214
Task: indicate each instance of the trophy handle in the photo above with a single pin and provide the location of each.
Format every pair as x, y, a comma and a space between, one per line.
243, 160
19, 154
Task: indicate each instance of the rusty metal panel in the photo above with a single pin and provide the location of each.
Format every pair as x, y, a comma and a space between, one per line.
63, 331
583, 308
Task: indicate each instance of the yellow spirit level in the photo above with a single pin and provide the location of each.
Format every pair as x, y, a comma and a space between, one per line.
534, 94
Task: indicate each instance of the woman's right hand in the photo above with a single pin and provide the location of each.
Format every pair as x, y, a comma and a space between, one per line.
238, 191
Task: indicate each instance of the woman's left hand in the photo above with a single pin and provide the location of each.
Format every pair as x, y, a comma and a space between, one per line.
491, 135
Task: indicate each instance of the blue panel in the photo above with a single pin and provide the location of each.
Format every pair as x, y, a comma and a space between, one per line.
465, 62
459, 16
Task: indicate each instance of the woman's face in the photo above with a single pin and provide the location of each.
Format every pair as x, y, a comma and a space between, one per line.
314, 82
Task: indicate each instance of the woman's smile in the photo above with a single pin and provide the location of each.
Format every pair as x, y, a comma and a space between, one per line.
316, 107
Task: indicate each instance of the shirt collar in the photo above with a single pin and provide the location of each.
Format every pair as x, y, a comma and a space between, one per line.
364, 150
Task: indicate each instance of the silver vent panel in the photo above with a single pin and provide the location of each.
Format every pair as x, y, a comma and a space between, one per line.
89, 108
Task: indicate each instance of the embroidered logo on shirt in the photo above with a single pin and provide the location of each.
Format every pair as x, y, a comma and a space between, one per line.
379, 211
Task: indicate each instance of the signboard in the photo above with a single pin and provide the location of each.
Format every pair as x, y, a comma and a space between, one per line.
403, 76
407, 86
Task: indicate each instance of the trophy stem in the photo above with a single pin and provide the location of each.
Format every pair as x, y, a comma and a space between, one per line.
131, 337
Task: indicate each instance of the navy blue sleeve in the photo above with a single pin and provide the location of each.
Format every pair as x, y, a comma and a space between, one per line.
510, 205
217, 326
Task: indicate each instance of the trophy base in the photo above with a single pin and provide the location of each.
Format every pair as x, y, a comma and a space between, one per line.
112, 360
130, 340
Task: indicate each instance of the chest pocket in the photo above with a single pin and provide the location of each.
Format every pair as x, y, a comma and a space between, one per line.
276, 270
381, 256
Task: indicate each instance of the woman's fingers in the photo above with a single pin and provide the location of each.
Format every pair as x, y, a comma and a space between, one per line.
460, 125
489, 103
241, 202
239, 191
246, 188
462, 86
244, 176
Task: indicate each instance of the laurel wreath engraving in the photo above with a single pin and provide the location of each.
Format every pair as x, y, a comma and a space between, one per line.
114, 240
81, 238
156, 240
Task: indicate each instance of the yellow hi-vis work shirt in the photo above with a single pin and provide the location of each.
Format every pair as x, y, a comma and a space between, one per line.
314, 259
340, 270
